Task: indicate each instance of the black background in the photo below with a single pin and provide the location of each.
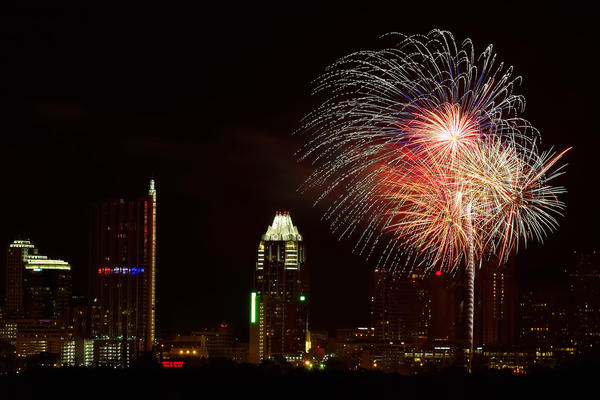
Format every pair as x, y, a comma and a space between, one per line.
94, 102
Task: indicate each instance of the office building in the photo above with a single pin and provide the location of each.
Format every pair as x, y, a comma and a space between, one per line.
47, 288
584, 291
123, 274
214, 342
278, 316
496, 301
16, 254
219, 341
400, 306
35, 336
77, 352
544, 319
36, 286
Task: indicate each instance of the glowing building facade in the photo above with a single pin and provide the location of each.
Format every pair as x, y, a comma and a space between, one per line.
35, 336
36, 286
123, 272
47, 288
278, 304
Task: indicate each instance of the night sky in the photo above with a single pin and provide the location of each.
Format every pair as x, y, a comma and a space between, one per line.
96, 102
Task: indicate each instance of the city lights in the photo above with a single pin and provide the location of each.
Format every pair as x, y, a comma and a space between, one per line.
354, 201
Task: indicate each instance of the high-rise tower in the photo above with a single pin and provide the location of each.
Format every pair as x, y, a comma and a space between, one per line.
123, 268
15, 264
411, 307
496, 305
584, 292
36, 286
400, 306
278, 309
46, 288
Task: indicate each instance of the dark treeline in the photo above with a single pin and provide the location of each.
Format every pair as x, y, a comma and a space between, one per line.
226, 379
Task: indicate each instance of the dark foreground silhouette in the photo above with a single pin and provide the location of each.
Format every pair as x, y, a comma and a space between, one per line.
225, 379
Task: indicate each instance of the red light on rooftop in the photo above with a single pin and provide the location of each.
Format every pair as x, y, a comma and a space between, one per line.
438, 273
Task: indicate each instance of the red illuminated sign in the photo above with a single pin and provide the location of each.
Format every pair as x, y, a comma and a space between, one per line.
172, 364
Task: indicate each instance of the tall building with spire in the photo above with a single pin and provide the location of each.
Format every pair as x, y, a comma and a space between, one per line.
123, 269
278, 303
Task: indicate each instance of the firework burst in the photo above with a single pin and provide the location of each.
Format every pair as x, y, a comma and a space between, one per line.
420, 147
428, 119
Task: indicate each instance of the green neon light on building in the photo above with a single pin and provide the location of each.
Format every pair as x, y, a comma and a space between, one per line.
253, 307
302, 298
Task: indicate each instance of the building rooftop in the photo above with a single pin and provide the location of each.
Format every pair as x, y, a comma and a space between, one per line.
22, 243
37, 264
35, 261
282, 228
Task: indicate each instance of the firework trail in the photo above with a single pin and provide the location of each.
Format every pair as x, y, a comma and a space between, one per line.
419, 151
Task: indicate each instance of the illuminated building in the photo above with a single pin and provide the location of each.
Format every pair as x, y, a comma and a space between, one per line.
278, 304
518, 361
113, 353
77, 353
219, 341
35, 336
36, 286
84, 316
584, 291
8, 331
207, 343
16, 254
495, 305
360, 349
186, 347
361, 333
544, 321
47, 288
400, 307
123, 273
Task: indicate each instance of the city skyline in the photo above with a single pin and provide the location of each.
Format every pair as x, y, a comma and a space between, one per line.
227, 173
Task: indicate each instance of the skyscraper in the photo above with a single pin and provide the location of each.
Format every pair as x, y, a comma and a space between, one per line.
278, 315
36, 286
496, 305
123, 268
411, 308
584, 292
399, 307
15, 260
47, 288
544, 319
